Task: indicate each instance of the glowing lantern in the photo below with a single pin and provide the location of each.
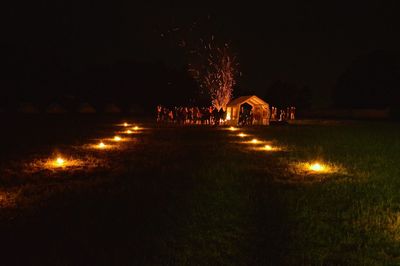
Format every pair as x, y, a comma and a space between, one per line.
316, 167
125, 124
242, 135
232, 128
59, 162
254, 141
117, 138
101, 145
129, 132
135, 128
268, 147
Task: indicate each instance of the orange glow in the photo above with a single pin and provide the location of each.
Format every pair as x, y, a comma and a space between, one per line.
125, 124
316, 167
7, 198
242, 135
255, 141
268, 148
117, 138
314, 171
135, 128
101, 145
59, 162
232, 128
128, 132
319, 167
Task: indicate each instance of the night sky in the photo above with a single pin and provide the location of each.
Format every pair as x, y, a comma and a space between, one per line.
295, 42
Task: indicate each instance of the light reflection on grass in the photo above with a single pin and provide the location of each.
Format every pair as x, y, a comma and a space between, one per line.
62, 163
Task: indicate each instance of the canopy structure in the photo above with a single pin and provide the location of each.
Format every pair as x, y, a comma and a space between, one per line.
260, 110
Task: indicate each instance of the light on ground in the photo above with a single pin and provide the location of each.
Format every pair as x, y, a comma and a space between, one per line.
268, 147
59, 162
101, 145
316, 167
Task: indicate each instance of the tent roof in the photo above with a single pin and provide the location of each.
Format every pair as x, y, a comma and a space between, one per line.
251, 99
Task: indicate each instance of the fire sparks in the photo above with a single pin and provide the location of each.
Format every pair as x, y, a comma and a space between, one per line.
215, 68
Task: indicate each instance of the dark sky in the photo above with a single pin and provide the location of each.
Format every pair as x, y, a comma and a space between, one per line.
293, 41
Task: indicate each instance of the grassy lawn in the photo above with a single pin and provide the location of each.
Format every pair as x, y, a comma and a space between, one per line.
199, 195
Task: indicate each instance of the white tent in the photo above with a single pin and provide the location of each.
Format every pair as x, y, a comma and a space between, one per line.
260, 109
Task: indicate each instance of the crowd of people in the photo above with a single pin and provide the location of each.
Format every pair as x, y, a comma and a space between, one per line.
283, 114
212, 116
191, 115
246, 117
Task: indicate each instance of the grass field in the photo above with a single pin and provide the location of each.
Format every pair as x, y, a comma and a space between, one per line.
199, 195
